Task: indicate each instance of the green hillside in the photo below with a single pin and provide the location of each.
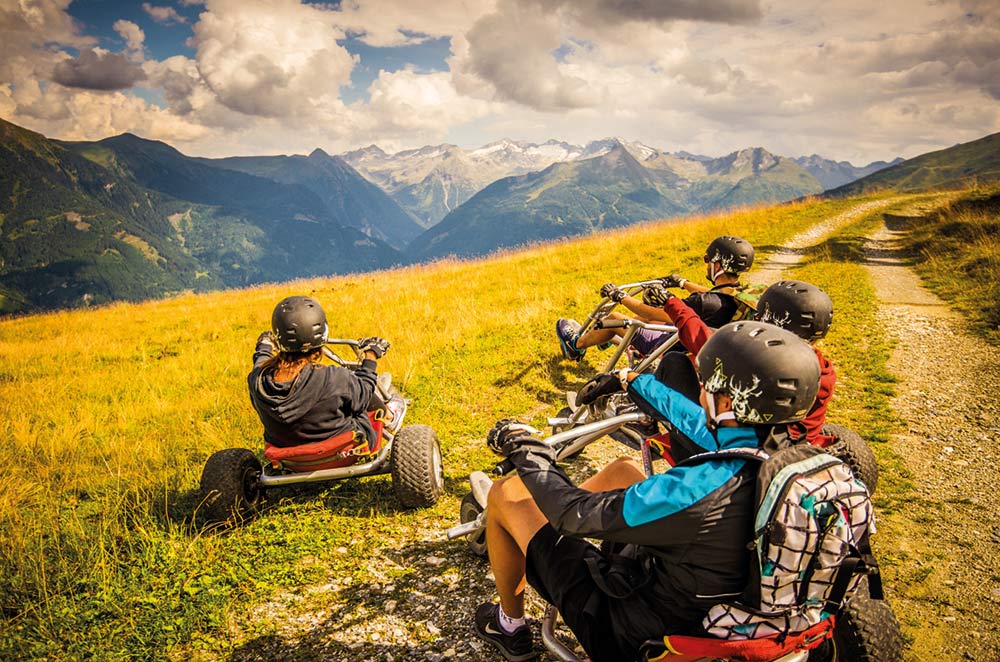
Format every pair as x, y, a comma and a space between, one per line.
131, 219
353, 200
964, 165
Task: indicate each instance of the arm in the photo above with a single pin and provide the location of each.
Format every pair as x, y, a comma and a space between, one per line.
692, 331
264, 348
360, 386
654, 397
648, 313
620, 515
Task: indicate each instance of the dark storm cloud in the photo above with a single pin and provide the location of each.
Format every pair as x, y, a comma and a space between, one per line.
98, 71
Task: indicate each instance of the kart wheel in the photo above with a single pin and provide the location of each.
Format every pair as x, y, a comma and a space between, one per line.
468, 511
866, 631
854, 452
417, 471
230, 486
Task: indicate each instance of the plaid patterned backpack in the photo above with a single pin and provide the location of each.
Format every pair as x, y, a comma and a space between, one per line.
811, 544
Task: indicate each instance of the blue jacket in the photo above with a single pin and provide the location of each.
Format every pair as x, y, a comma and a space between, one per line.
688, 527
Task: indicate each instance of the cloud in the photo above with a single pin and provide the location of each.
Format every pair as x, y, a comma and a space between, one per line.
271, 58
165, 15
133, 36
98, 70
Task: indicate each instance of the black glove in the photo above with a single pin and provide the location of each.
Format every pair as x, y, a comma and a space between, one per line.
375, 345
656, 296
673, 280
613, 292
603, 384
507, 434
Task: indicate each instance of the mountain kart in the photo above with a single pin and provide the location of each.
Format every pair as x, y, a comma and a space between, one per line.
865, 629
233, 482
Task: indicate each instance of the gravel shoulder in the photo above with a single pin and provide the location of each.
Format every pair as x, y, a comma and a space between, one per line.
943, 550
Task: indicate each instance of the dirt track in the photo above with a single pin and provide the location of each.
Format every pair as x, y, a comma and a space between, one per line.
942, 553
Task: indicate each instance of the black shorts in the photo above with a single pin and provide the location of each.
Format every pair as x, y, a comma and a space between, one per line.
556, 567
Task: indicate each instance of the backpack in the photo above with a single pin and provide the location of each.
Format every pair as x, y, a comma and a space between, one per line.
746, 297
810, 542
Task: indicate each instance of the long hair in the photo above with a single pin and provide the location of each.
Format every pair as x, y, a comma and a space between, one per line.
287, 365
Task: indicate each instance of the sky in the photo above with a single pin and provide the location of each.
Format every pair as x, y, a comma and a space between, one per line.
851, 80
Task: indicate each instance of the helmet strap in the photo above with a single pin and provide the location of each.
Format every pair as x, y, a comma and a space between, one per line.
715, 418
713, 271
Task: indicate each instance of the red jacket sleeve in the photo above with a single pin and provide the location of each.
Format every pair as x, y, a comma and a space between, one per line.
812, 425
692, 331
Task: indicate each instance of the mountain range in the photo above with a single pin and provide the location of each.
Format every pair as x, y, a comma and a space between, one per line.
127, 218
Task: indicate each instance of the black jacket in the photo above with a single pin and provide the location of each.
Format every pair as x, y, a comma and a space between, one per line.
322, 401
687, 528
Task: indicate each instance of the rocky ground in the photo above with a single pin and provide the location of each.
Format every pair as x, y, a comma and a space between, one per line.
940, 554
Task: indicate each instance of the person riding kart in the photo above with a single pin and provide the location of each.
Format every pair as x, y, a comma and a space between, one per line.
725, 259
800, 307
300, 401
678, 540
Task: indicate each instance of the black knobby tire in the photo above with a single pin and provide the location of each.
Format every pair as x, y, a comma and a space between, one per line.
855, 453
468, 511
417, 471
866, 631
230, 486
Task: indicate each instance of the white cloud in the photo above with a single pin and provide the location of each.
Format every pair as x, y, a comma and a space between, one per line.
133, 36
165, 15
272, 58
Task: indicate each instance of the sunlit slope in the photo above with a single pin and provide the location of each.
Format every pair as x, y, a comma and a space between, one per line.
108, 416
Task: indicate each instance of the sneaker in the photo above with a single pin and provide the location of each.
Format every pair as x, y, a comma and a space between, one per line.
515, 646
568, 331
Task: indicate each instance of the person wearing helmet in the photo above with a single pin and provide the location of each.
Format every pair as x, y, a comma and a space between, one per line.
680, 537
725, 259
800, 307
299, 400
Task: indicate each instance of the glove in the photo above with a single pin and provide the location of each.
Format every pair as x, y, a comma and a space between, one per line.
267, 340
507, 434
604, 384
613, 292
656, 296
375, 345
673, 280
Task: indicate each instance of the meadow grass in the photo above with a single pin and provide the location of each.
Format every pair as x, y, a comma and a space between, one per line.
956, 251
108, 416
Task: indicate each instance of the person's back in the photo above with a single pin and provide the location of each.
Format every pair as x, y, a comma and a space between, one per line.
299, 400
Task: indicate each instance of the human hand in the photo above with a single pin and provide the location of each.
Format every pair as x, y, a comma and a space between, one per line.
613, 292
601, 385
507, 434
375, 345
656, 296
673, 280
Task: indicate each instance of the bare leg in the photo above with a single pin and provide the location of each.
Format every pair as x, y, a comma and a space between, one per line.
514, 519
600, 336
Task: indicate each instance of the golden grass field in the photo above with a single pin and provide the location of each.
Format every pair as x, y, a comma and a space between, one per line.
108, 415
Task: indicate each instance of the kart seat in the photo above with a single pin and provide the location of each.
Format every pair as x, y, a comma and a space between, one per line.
340, 450
680, 648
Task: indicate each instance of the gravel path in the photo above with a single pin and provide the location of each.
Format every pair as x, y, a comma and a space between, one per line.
943, 552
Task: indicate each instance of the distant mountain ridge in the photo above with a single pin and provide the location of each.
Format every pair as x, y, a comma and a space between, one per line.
967, 164
432, 181
617, 184
128, 218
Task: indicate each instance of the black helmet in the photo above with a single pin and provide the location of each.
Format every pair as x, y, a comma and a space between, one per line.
802, 308
298, 324
771, 375
735, 255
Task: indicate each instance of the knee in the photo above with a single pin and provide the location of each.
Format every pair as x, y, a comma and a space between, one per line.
504, 492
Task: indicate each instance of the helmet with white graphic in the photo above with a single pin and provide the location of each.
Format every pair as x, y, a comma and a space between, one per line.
733, 254
802, 308
298, 324
770, 374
